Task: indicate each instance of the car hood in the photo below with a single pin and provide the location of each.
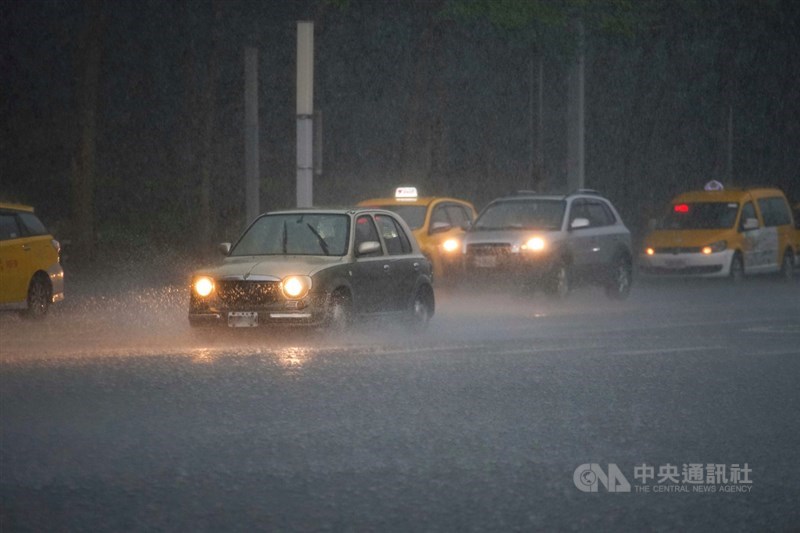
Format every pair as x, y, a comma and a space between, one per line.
510, 236
684, 238
277, 266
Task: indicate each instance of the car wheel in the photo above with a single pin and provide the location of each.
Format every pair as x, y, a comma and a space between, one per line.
737, 269
787, 266
619, 287
560, 283
38, 298
340, 312
422, 308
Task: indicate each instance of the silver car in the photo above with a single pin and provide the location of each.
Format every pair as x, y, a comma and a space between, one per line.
316, 267
552, 242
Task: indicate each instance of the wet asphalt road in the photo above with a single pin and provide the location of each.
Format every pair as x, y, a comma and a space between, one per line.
114, 416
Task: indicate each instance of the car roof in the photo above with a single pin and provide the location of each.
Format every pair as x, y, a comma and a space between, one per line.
16, 207
326, 210
421, 201
726, 195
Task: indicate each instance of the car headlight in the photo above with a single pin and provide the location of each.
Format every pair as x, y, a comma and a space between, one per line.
650, 251
203, 286
715, 247
535, 244
295, 287
451, 245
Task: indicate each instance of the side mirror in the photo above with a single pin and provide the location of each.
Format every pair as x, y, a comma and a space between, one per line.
579, 223
368, 247
439, 227
224, 248
466, 225
750, 223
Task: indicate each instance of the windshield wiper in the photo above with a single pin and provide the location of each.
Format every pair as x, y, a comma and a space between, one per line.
322, 243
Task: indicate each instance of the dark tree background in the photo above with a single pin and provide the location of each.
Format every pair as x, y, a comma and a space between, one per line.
123, 120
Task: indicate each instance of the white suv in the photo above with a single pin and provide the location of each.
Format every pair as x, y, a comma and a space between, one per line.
551, 241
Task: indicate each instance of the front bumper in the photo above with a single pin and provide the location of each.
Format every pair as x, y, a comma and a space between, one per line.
503, 264
310, 311
716, 265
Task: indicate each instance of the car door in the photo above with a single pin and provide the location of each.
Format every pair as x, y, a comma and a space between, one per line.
580, 239
752, 239
14, 260
368, 270
403, 268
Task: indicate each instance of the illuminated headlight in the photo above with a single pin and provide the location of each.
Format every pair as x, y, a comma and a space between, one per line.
295, 287
203, 286
451, 245
649, 251
713, 248
535, 244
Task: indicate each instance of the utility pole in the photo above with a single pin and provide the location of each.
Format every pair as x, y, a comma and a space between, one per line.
252, 192
305, 114
576, 168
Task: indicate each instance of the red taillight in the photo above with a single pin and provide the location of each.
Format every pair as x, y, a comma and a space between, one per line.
681, 208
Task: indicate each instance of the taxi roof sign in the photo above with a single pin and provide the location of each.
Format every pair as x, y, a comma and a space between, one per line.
405, 193
714, 185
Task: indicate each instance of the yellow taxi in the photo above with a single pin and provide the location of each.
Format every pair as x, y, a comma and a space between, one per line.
31, 277
438, 224
719, 232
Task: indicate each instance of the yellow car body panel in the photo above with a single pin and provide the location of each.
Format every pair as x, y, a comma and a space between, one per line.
447, 260
23, 256
761, 247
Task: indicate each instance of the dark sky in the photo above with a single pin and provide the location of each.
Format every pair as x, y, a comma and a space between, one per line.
409, 95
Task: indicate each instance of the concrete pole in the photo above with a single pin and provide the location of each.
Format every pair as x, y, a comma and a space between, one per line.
575, 119
251, 156
305, 114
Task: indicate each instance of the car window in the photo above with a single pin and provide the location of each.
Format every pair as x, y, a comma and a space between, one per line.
774, 211
295, 234
414, 215
458, 215
366, 232
748, 211
393, 235
521, 214
701, 215
32, 225
599, 214
578, 210
439, 215
8, 227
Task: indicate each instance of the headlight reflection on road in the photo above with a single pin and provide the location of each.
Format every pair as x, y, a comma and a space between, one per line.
293, 357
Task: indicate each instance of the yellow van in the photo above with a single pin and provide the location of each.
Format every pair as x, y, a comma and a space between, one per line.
437, 223
721, 232
31, 277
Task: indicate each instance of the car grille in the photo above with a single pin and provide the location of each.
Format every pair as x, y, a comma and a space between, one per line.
678, 250
492, 248
236, 294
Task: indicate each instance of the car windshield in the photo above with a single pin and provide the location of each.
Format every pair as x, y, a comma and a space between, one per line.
295, 234
701, 215
414, 215
522, 214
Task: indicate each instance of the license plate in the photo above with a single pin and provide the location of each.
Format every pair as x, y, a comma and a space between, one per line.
242, 319
675, 263
486, 261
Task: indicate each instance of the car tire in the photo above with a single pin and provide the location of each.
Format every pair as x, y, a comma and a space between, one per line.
787, 266
559, 284
38, 297
737, 269
619, 286
422, 308
340, 313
